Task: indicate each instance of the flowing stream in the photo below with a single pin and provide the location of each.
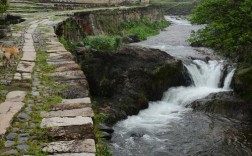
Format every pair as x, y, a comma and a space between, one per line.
167, 127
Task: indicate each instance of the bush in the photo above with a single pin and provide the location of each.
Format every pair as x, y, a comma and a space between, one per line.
103, 42
143, 28
228, 27
4, 5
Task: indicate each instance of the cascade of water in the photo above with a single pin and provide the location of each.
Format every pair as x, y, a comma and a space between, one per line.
205, 76
228, 80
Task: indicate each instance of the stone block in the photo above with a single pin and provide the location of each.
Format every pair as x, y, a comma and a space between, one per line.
67, 67
17, 77
29, 56
68, 75
7, 111
74, 154
16, 96
25, 67
74, 146
65, 121
67, 133
78, 100
86, 112
67, 106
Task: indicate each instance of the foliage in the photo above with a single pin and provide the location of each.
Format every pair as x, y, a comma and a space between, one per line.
143, 28
4, 5
228, 27
103, 42
67, 44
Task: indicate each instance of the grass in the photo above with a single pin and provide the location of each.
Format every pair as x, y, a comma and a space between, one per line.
103, 42
143, 28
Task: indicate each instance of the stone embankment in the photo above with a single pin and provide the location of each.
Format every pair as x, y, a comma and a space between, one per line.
67, 124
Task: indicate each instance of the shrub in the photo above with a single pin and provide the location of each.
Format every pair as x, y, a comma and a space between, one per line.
103, 42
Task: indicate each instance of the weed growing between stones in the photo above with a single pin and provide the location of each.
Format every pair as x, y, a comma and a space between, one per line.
102, 148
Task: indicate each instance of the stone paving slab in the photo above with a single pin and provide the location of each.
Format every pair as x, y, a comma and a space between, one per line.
86, 112
65, 121
28, 49
78, 74
8, 110
67, 67
75, 146
28, 44
26, 76
67, 133
17, 77
25, 67
60, 50
61, 63
74, 154
63, 55
16, 96
78, 100
29, 56
67, 106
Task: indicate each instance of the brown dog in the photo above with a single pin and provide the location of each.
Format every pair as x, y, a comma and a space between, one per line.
8, 53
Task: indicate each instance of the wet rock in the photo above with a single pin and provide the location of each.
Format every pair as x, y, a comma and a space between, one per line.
130, 78
226, 104
105, 128
23, 116
242, 82
106, 135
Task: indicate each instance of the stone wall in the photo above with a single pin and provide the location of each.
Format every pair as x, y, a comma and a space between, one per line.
104, 21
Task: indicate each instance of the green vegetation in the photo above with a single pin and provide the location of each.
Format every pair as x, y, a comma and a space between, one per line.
102, 148
4, 5
103, 42
143, 28
228, 28
67, 44
177, 7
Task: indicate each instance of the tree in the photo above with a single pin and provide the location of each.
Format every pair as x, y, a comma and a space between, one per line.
228, 27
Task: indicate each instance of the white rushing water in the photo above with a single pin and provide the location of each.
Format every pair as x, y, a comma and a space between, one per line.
206, 79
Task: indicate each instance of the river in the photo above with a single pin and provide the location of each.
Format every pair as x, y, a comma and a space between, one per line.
167, 127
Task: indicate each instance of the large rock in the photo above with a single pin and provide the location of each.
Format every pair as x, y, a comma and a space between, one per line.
226, 104
243, 82
130, 78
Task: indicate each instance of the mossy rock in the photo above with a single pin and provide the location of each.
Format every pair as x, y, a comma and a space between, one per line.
243, 82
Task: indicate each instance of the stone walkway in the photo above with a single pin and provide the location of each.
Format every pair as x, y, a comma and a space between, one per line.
68, 125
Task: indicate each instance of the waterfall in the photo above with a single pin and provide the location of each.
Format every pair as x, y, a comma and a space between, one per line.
206, 79
228, 79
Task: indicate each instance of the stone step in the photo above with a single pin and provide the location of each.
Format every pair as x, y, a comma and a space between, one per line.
74, 146
25, 67
68, 75
85, 112
67, 106
8, 109
65, 121
78, 100
74, 154
59, 50
29, 56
